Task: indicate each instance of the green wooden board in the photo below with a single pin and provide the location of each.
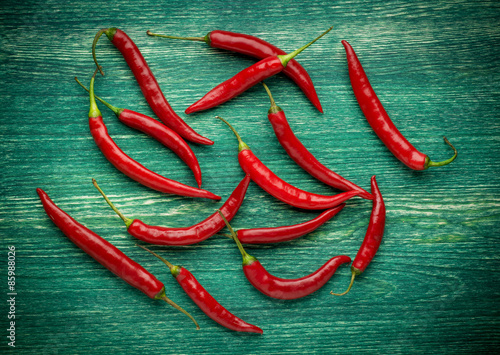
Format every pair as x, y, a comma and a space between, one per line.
433, 286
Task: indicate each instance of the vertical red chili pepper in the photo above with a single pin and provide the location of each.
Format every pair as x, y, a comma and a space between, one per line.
373, 236
280, 189
303, 157
148, 84
204, 300
380, 121
260, 49
246, 78
188, 235
285, 289
107, 254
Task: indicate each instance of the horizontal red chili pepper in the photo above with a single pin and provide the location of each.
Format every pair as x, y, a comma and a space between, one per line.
107, 254
148, 84
285, 233
280, 189
286, 289
188, 235
260, 49
373, 237
204, 300
245, 79
380, 121
130, 167
158, 131
303, 157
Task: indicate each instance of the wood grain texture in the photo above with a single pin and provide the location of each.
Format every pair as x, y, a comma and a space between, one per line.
432, 288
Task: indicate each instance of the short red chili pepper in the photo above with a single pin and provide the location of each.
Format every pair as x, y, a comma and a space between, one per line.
148, 84
130, 167
158, 131
245, 79
107, 254
286, 233
380, 121
373, 237
279, 188
188, 235
204, 300
303, 157
286, 289
260, 49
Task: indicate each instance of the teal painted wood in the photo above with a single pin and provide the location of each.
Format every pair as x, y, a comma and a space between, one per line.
432, 288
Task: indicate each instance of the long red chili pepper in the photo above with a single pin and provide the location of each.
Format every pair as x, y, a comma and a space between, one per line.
158, 131
260, 49
373, 237
204, 300
148, 84
303, 157
130, 167
188, 235
279, 188
286, 289
380, 121
107, 254
246, 78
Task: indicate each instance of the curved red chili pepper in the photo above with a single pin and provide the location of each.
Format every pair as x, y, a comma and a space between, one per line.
286, 289
204, 300
380, 121
130, 167
107, 254
280, 189
373, 237
158, 131
148, 84
260, 49
245, 79
188, 235
303, 157
286, 233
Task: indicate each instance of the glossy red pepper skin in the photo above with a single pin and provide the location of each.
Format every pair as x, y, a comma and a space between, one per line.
286, 233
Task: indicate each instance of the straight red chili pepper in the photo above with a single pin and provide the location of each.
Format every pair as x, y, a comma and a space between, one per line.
303, 157
107, 254
130, 167
280, 189
246, 78
260, 49
204, 300
148, 84
373, 237
286, 289
380, 121
188, 235
158, 131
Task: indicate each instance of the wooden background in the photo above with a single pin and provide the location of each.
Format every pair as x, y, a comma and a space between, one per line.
432, 288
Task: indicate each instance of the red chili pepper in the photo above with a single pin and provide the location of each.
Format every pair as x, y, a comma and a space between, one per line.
158, 131
303, 157
246, 78
130, 167
373, 237
184, 236
148, 84
277, 187
286, 233
285, 289
260, 49
380, 121
107, 254
207, 303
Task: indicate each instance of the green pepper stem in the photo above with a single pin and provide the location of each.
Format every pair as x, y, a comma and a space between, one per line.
285, 58
163, 296
116, 110
94, 110
165, 261
429, 163
234, 236
349, 288
241, 145
199, 39
94, 43
127, 221
274, 108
